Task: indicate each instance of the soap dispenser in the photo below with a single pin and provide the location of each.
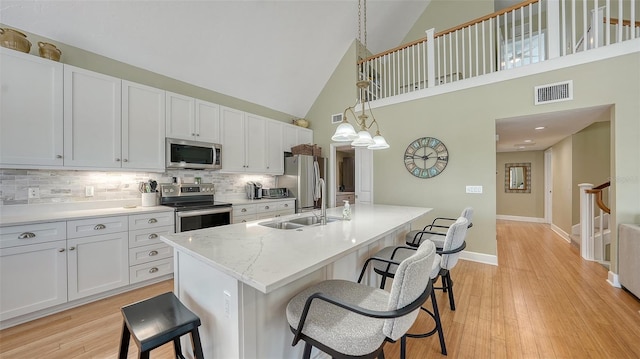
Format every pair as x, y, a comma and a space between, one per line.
346, 211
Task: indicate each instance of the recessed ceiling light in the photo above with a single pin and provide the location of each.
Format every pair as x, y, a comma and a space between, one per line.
528, 141
540, 128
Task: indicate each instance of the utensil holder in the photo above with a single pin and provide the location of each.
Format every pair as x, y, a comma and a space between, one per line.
149, 199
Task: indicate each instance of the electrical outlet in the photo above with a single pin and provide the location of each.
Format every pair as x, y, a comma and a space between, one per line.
474, 189
227, 304
34, 192
88, 191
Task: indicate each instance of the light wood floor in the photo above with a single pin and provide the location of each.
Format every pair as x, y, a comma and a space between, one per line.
542, 301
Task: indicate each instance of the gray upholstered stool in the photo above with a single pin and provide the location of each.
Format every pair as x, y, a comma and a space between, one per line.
156, 321
352, 320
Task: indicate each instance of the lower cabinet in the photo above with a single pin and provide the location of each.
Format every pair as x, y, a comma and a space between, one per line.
32, 277
266, 209
97, 264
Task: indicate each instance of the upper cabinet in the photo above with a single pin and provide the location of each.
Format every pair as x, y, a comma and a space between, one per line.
31, 110
274, 148
232, 128
92, 113
296, 135
143, 126
192, 119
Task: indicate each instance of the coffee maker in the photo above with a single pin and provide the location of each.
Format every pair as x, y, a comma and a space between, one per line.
254, 190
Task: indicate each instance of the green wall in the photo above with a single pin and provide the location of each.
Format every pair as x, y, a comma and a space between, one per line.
521, 204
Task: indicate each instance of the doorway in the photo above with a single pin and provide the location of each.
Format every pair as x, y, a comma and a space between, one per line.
358, 167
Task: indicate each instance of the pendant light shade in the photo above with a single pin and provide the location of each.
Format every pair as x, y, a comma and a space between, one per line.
344, 133
364, 139
379, 143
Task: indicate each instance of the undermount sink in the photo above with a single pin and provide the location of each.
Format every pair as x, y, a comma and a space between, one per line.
296, 223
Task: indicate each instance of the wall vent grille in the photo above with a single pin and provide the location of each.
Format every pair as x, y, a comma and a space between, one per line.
560, 91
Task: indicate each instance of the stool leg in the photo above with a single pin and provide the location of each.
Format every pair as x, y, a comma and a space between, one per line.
144, 355
196, 344
307, 351
124, 342
177, 348
452, 302
436, 314
403, 347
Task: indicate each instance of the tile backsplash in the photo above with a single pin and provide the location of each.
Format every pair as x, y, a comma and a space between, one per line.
57, 186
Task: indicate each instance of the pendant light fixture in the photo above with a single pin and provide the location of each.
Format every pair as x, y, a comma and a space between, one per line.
345, 131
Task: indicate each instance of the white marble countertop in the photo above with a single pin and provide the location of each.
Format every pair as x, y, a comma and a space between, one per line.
39, 213
267, 258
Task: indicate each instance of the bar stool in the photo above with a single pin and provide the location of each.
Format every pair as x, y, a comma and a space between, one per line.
157, 321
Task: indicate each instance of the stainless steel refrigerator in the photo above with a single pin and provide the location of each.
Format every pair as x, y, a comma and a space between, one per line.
300, 178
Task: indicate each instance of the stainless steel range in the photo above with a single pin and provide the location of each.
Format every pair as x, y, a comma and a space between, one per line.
195, 206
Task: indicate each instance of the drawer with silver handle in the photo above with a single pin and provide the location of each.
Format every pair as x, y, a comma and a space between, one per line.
151, 220
149, 253
97, 226
143, 237
12, 236
150, 270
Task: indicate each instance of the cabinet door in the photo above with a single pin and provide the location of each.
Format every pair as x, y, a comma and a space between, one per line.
180, 122
97, 264
92, 113
290, 137
32, 277
207, 121
275, 153
30, 110
233, 140
256, 157
305, 136
143, 126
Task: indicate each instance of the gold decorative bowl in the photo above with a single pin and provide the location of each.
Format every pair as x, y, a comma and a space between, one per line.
301, 122
14, 39
49, 51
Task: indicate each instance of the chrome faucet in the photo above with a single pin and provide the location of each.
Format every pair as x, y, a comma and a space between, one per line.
323, 202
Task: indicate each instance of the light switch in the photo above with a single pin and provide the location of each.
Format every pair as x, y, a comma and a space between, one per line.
474, 189
88, 191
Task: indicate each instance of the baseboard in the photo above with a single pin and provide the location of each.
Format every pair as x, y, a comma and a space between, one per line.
520, 219
561, 233
613, 280
479, 257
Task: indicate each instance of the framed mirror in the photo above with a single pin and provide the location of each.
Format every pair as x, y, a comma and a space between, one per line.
517, 177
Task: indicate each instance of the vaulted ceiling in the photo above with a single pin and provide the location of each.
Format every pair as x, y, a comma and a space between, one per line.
278, 54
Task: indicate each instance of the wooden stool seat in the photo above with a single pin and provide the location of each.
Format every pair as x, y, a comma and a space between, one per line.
156, 321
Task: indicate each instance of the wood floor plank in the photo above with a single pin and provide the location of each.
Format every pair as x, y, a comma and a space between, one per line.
542, 301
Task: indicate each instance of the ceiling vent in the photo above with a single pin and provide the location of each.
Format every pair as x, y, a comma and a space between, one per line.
560, 91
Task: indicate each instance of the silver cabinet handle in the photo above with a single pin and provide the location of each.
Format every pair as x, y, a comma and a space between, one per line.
197, 135
243, 210
153, 253
58, 156
286, 204
152, 220
153, 270
244, 220
99, 227
117, 160
26, 235
61, 250
153, 236
193, 134
72, 248
125, 160
266, 207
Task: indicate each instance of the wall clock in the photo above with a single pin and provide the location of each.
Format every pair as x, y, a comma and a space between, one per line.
426, 157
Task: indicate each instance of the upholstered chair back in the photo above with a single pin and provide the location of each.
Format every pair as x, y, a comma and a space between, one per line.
468, 214
411, 279
454, 239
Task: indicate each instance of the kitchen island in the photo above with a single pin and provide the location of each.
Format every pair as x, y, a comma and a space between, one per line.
239, 278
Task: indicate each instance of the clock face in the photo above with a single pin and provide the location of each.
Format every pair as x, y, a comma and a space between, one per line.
426, 157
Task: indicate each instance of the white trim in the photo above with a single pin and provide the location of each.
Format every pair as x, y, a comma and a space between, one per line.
479, 257
613, 280
520, 218
564, 235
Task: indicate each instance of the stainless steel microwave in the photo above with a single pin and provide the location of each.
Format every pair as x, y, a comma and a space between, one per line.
193, 154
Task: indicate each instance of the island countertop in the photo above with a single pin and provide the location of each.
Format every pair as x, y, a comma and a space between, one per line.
267, 258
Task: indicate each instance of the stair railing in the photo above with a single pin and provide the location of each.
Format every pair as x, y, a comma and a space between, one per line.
592, 236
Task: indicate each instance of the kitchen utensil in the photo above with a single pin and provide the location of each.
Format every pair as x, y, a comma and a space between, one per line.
153, 185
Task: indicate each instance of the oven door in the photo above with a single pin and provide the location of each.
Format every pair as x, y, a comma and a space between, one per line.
202, 218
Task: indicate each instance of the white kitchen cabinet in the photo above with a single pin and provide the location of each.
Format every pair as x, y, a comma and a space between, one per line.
192, 119
32, 277
97, 255
31, 110
149, 257
92, 119
232, 126
274, 147
244, 213
143, 126
295, 135
256, 143
274, 209
97, 264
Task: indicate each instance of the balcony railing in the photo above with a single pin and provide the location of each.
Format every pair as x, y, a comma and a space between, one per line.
530, 32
